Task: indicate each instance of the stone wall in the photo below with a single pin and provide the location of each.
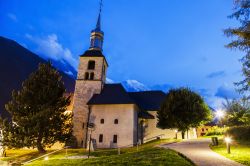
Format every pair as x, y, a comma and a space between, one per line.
84, 90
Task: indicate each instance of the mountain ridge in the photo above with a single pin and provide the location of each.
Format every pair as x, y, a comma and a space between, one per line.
16, 64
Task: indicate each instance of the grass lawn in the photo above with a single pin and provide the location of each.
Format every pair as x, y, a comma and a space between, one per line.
147, 154
240, 151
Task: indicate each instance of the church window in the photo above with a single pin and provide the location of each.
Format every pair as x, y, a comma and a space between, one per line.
102, 121
86, 76
101, 138
91, 65
116, 121
83, 125
91, 76
115, 139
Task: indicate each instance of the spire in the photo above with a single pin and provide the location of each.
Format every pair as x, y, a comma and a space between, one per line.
96, 38
98, 24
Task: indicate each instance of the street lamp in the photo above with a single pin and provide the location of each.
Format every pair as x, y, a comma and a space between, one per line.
220, 114
176, 131
228, 141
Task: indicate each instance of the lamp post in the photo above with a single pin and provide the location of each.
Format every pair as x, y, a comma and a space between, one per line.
176, 131
91, 127
228, 141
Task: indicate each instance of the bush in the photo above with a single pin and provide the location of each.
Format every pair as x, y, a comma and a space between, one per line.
215, 130
239, 133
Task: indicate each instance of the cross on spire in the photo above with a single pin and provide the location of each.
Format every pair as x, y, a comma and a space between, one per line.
98, 24
100, 7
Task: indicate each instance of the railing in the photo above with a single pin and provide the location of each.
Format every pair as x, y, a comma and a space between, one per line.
153, 138
118, 148
45, 155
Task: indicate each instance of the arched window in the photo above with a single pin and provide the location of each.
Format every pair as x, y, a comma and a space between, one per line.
116, 121
86, 76
91, 76
91, 65
102, 121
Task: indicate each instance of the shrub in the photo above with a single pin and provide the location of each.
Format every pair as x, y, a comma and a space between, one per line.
215, 130
239, 132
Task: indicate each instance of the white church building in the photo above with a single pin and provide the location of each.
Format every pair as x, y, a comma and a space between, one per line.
118, 118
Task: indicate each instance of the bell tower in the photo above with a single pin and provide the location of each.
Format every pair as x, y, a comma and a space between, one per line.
90, 80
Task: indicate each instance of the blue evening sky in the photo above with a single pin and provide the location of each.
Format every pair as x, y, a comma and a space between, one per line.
156, 42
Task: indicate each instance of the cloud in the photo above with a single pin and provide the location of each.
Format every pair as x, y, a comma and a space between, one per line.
12, 17
216, 74
50, 48
215, 102
225, 91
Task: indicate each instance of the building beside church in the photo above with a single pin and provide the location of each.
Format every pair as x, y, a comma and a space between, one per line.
120, 118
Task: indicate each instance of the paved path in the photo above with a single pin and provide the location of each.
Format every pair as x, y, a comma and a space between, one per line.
199, 152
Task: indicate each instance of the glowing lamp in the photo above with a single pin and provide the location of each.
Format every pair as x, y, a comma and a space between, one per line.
219, 113
46, 158
228, 140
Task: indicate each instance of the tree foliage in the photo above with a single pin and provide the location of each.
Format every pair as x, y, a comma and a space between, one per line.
38, 117
237, 112
241, 39
183, 109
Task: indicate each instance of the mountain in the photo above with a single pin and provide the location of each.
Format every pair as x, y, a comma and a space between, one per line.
16, 63
164, 87
134, 86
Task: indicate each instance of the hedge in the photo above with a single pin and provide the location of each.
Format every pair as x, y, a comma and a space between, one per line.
239, 132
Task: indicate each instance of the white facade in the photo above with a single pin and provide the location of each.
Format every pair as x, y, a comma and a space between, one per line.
121, 121
115, 120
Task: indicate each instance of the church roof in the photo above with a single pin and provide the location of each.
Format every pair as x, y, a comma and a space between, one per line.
116, 94
93, 53
148, 100
145, 115
111, 94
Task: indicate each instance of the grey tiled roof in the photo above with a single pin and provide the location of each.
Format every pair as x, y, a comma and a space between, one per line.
116, 94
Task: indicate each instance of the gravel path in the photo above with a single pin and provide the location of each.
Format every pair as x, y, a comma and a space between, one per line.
199, 152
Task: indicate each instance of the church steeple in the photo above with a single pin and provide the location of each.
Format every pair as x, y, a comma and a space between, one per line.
96, 38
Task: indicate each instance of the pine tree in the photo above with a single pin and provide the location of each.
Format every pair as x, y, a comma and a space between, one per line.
182, 109
241, 40
38, 117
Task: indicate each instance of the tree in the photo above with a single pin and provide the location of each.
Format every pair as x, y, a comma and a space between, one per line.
241, 40
237, 112
38, 117
182, 109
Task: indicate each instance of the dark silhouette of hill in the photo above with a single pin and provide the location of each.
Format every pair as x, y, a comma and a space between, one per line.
16, 64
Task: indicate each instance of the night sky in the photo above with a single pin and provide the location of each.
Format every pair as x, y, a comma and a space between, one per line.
156, 42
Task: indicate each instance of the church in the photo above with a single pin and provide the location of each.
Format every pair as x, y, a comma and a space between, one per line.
106, 113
